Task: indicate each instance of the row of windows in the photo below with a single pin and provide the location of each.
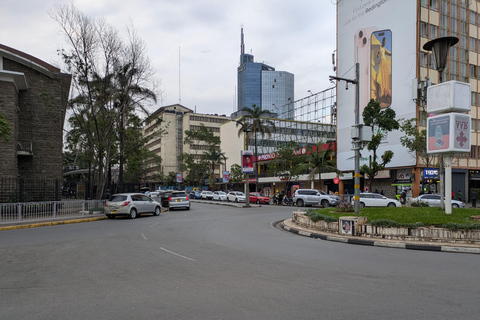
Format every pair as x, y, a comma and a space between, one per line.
214, 129
433, 4
207, 119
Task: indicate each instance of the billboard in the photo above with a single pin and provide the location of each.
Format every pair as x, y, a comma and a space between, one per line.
380, 36
449, 133
247, 161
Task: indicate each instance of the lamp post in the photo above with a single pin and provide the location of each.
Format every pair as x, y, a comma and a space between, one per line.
247, 176
440, 48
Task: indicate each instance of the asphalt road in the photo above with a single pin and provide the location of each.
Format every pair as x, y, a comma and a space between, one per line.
220, 262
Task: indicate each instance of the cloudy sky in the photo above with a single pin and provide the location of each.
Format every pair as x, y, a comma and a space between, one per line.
295, 36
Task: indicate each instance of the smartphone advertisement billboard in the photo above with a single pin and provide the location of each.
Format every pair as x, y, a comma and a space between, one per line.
379, 35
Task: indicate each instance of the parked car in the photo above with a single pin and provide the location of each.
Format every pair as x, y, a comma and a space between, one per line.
178, 199
258, 197
207, 195
132, 205
195, 195
368, 199
219, 196
433, 200
236, 196
162, 197
309, 197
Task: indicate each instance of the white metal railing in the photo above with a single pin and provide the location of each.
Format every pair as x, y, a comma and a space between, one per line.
50, 210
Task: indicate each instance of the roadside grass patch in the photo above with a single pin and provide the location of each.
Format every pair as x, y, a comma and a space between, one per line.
410, 217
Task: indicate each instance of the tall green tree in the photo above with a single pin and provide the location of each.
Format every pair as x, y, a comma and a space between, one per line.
382, 121
256, 122
320, 160
214, 157
111, 79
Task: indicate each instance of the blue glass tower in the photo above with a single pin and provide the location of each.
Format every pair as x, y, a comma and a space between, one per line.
261, 85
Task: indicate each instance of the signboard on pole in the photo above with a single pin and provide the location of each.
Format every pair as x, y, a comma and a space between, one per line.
449, 133
247, 161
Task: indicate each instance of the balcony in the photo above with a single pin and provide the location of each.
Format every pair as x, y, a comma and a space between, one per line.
24, 148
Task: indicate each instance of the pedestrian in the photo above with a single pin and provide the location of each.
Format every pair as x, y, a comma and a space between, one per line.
403, 196
453, 195
459, 195
473, 197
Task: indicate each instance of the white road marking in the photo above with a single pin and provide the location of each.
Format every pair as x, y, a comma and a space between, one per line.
176, 254
144, 236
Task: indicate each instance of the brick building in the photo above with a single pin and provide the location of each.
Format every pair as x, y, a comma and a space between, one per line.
33, 98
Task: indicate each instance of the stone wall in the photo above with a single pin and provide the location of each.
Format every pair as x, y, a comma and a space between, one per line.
8, 150
41, 117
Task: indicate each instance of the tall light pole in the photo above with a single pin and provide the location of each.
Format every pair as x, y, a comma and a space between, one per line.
357, 142
440, 48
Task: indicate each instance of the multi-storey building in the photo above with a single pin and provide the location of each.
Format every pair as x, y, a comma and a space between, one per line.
33, 98
260, 84
166, 137
388, 38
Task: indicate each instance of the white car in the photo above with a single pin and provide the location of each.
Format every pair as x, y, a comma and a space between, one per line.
236, 196
219, 196
377, 200
132, 205
433, 200
206, 195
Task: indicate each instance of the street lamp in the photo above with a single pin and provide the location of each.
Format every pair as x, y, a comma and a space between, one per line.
440, 48
245, 130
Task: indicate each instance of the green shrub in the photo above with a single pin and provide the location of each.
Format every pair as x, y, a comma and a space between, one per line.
419, 203
316, 216
461, 226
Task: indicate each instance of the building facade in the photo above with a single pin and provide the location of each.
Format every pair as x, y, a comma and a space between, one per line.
394, 69
259, 84
33, 98
166, 137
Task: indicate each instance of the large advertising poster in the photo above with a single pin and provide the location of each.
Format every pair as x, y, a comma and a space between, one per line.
247, 161
379, 35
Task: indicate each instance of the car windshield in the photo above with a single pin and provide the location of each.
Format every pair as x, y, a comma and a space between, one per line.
117, 198
179, 194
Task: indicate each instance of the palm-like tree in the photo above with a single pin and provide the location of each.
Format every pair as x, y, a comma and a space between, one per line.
214, 157
257, 122
320, 161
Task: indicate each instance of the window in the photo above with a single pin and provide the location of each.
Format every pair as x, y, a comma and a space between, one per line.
473, 99
473, 17
453, 11
434, 5
463, 55
453, 67
473, 152
472, 72
423, 29
453, 25
463, 69
433, 32
473, 44
423, 59
431, 64
425, 3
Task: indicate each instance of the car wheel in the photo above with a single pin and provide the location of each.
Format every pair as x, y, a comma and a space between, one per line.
109, 216
455, 205
325, 203
300, 203
133, 213
236, 199
362, 205
157, 211
391, 204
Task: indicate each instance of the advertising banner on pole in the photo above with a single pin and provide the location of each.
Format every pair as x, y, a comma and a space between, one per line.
247, 161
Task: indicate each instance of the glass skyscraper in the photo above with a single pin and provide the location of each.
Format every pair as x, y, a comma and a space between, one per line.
261, 85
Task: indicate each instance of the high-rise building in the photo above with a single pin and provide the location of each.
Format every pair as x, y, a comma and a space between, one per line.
260, 84
386, 39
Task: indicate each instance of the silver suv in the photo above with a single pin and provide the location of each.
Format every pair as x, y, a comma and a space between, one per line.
309, 197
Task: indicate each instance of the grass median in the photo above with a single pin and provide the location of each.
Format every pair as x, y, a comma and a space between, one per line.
406, 216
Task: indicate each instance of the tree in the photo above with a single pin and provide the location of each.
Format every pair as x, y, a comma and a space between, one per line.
111, 78
415, 140
5, 128
320, 161
256, 121
382, 121
287, 163
214, 158
236, 174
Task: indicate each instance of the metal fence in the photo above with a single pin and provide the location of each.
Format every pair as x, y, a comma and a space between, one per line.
50, 210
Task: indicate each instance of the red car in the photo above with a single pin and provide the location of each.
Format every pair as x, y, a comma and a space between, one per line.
258, 197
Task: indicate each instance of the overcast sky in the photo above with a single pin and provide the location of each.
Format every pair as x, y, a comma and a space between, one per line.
295, 36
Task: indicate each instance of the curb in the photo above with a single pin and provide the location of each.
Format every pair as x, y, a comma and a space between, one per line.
50, 223
381, 243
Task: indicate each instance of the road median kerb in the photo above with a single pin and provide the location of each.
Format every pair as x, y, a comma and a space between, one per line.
290, 226
50, 223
